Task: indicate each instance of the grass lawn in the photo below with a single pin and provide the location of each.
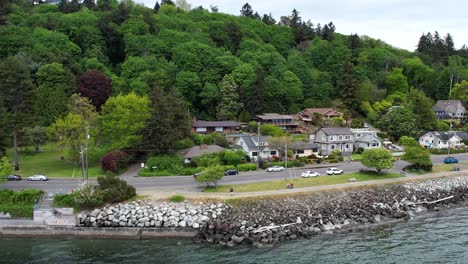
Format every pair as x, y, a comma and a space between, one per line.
48, 162
449, 167
356, 157
302, 182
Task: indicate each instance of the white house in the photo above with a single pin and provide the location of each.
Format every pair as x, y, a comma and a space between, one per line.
252, 145
366, 138
440, 140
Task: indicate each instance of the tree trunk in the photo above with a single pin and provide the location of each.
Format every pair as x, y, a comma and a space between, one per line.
15, 148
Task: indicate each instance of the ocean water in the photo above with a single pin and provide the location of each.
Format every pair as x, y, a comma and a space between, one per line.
436, 238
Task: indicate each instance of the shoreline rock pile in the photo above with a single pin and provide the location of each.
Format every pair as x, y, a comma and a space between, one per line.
270, 220
144, 214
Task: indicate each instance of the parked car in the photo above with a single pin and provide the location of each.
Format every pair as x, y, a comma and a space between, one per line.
14, 177
308, 174
38, 177
334, 171
275, 169
231, 172
449, 160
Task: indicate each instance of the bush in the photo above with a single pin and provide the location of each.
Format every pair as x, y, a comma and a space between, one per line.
64, 200
18, 210
115, 190
177, 198
5, 195
88, 196
115, 161
247, 167
27, 196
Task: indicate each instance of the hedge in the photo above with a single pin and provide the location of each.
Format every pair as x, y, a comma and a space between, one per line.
17, 210
247, 167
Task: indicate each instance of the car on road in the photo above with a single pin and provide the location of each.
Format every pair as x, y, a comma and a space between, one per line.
14, 177
334, 171
449, 160
309, 174
38, 177
231, 172
275, 169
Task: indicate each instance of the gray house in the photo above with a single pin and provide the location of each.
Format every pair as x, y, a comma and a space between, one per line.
252, 145
449, 109
366, 138
336, 138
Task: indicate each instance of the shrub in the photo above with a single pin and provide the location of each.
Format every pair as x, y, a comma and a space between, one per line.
114, 161
26, 196
177, 198
115, 190
18, 210
166, 162
64, 200
208, 159
5, 195
87, 196
247, 167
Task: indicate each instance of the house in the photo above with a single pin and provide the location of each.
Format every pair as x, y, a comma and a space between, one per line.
286, 122
252, 145
334, 138
197, 151
440, 140
307, 114
207, 127
449, 109
366, 138
303, 149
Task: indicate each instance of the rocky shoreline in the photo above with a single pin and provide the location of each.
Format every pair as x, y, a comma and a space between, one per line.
270, 220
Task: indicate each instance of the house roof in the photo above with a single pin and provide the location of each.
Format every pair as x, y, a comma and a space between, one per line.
303, 145
251, 140
269, 116
463, 135
447, 105
337, 131
323, 111
197, 151
445, 135
368, 139
202, 123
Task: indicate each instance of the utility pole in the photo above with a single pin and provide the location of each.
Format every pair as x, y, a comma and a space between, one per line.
258, 145
82, 163
87, 151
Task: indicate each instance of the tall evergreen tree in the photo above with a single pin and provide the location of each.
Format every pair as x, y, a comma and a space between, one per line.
17, 91
268, 19
4, 11
90, 4
247, 10
169, 122
167, 2
229, 106
347, 85
156, 6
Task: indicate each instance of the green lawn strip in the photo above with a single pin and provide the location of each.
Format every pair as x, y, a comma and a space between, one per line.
302, 182
356, 157
48, 162
17, 210
449, 167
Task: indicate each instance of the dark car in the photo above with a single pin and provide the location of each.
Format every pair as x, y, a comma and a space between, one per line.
231, 172
14, 177
449, 160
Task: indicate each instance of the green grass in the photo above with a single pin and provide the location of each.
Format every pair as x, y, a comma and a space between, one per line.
302, 182
356, 157
48, 162
449, 167
177, 198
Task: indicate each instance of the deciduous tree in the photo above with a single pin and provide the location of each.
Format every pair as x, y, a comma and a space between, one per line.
378, 158
229, 106
211, 175
95, 86
399, 122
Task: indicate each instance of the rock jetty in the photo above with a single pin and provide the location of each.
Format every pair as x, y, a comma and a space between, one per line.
143, 214
273, 220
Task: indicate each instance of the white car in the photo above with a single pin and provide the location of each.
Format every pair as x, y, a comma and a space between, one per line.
334, 171
308, 174
38, 177
275, 169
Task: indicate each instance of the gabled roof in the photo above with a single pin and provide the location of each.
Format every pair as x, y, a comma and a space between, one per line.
463, 135
337, 131
447, 105
323, 111
445, 135
202, 123
296, 144
197, 151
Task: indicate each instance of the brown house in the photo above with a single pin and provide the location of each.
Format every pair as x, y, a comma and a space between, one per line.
307, 114
286, 122
207, 127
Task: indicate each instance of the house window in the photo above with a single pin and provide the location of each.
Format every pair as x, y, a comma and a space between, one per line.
254, 154
273, 152
332, 138
332, 146
201, 129
261, 143
340, 137
219, 129
347, 137
347, 146
375, 144
300, 151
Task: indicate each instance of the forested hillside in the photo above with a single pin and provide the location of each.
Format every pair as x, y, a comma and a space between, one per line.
174, 63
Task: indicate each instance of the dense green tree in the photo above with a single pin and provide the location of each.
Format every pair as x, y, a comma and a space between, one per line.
460, 92
169, 122
5, 168
247, 10
416, 71
421, 106
123, 118
396, 82
17, 92
55, 85
33, 136
378, 158
229, 105
419, 158
399, 122
211, 175
271, 130
406, 141
4, 11
348, 86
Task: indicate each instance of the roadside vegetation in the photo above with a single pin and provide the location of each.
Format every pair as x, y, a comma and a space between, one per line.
19, 204
301, 182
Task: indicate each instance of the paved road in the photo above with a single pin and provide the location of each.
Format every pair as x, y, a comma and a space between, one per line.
187, 183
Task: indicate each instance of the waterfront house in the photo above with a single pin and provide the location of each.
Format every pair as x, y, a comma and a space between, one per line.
307, 114
440, 140
197, 151
252, 145
285, 122
334, 138
207, 127
365, 138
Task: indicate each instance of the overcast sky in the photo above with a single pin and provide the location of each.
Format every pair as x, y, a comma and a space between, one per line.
397, 22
